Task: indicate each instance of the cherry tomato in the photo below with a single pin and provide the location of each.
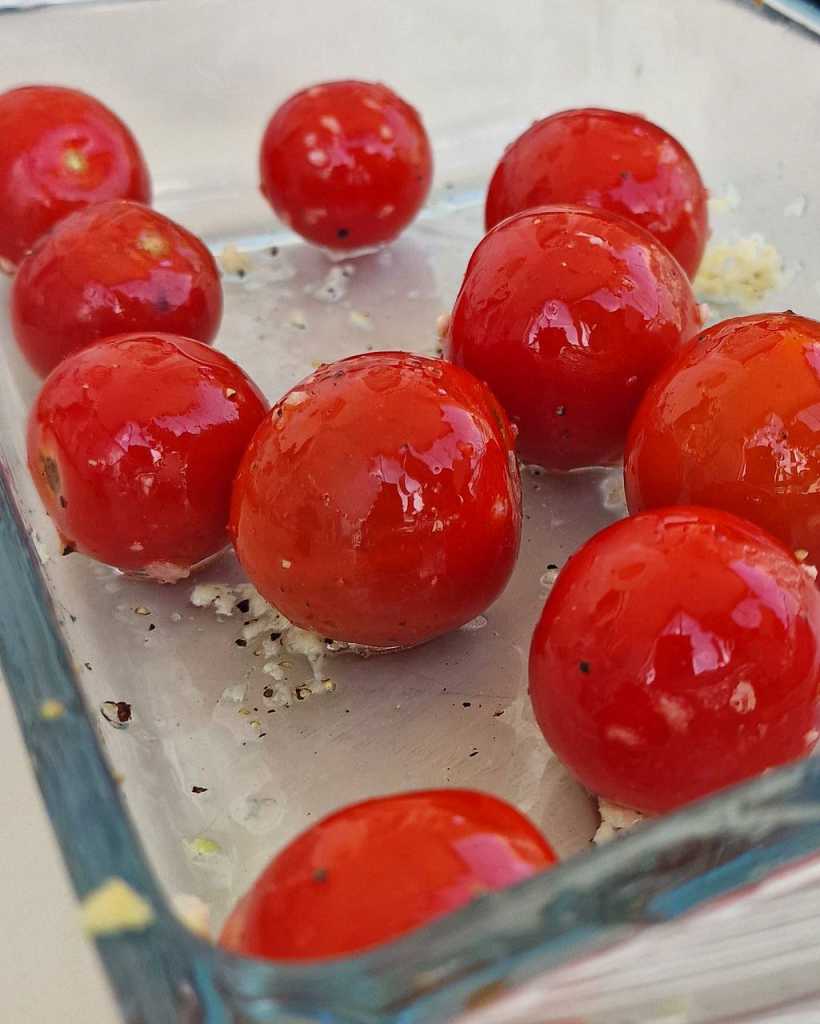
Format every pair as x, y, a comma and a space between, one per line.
346, 164
678, 653
380, 502
60, 150
568, 314
378, 869
734, 422
133, 444
611, 161
110, 269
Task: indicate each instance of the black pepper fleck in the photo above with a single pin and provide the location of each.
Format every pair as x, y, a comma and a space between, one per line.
497, 714
473, 753
275, 636
342, 233
268, 692
68, 549
241, 642
584, 666
199, 789
320, 875
466, 704
151, 627
244, 605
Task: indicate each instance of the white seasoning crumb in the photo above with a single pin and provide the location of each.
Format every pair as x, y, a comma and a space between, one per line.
166, 572
615, 819
51, 709
334, 286
142, 610
317, 157
286, 563
233, 261
479, 622
801, 554
360, 320
550, 576
809, 570
743, 698
295, 398
442, 325
92, 462
230, 392
136, 546
723, 204
234, 694
297, 319
176, 617
385, 211
194, 914
796, 208
739, 273
115, 907
385, 132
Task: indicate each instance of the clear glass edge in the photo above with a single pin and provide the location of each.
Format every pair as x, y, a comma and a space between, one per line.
165, 974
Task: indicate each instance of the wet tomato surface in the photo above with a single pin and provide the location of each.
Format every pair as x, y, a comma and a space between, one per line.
608, 160
734, 422
111, 269
376, 870
568, 315
346, 164
380, 502
678, 652
133, 444
60, 150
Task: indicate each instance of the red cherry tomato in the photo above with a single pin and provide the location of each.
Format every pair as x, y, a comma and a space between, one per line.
678, 653
376, 870
60, 150
380, 502
346, 164
113, 268
610, 161
734, 422
133, 444
568, 314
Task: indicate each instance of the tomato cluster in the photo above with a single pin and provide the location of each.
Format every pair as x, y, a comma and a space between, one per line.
378, 502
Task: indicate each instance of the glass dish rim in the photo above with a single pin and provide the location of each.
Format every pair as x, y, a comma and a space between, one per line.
578, 907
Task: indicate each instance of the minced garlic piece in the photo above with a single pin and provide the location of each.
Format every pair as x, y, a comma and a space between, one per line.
739, 273
115, 907
614, 820
233, 261
51, 709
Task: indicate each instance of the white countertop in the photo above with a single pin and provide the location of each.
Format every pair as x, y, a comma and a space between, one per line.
49, 972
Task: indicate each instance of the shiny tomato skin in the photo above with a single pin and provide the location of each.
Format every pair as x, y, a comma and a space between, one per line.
734, 423
678, 653
380, 501
346, 164
60, 151
113, 268
133, 444
568, 314
608, 160
376, 870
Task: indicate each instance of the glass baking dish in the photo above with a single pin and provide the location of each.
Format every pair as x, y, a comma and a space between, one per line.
707, 915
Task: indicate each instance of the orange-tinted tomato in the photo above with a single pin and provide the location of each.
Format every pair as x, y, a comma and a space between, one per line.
734, 422
380, 501
346, 164
60, 150
133, 444
611, 161
568, 314
111, 269
678, 653
376, 870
